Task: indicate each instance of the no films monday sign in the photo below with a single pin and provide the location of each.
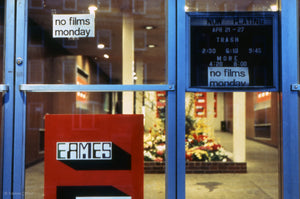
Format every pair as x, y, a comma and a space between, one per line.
73, 26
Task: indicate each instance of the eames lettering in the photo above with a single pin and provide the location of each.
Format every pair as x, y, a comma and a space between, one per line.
84, 150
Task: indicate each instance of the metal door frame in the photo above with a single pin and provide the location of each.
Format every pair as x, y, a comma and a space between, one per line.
8, 99
290, 99
15, 79
15, 98
289, 75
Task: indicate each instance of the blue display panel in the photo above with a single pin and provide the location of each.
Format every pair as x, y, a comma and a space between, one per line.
233, 50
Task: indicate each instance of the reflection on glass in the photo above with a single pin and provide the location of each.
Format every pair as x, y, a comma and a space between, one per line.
149, 104
118, 53
232, 145
230, 5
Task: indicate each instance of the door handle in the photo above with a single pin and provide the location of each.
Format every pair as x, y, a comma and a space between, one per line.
3, 87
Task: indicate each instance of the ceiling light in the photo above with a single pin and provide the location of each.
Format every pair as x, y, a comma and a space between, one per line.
149, 27
100, 46
92, 8
151, 45
106, 56
274, 7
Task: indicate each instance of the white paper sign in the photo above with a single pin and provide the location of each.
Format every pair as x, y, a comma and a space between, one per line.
228, 76
73, 26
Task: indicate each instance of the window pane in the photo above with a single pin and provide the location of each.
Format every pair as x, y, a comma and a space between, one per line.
128, 45
232, 139
149, 105
232, 145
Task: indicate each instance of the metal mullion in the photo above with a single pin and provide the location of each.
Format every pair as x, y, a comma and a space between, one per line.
181, 84
290, 99
92, 88
8, 102
171, 177
20, 101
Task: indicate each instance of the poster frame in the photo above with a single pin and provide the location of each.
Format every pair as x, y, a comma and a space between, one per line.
275, 26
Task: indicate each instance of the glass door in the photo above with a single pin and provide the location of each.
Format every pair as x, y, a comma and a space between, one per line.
95, 99
85, 82
231, 147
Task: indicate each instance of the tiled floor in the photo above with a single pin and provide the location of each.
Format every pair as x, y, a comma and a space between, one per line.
261, 181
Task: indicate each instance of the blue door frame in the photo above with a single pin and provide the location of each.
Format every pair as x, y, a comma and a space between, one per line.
14, 107
289, 74
290, 99
15, 99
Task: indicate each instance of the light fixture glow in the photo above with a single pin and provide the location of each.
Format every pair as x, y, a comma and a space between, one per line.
106, 56
100, 46
92, 9
149, 27
274, 7
151, 45
186, 8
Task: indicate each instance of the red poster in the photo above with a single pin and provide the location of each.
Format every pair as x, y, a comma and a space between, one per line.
215, 105
94, 156
161, 104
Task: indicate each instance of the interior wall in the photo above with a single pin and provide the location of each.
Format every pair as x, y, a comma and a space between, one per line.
260, 117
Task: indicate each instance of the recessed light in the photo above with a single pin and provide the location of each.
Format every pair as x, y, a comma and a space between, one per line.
92, 8
149, 27
100, 46
274, 7
151, 45
106, 56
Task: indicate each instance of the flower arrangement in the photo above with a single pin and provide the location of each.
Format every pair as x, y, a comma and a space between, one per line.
155, 144
198, 145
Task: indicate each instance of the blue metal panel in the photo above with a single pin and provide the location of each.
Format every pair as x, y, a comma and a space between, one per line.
20, 101
290, 99
171, 103
8, 106
181, 79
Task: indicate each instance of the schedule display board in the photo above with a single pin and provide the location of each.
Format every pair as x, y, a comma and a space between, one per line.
233, 50
94, 156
